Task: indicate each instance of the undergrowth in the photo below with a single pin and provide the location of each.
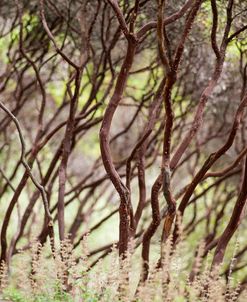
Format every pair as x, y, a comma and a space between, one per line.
38, 276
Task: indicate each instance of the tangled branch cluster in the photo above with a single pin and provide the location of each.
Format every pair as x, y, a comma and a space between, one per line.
128, 108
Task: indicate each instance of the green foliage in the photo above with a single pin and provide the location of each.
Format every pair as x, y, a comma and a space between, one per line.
14, 295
